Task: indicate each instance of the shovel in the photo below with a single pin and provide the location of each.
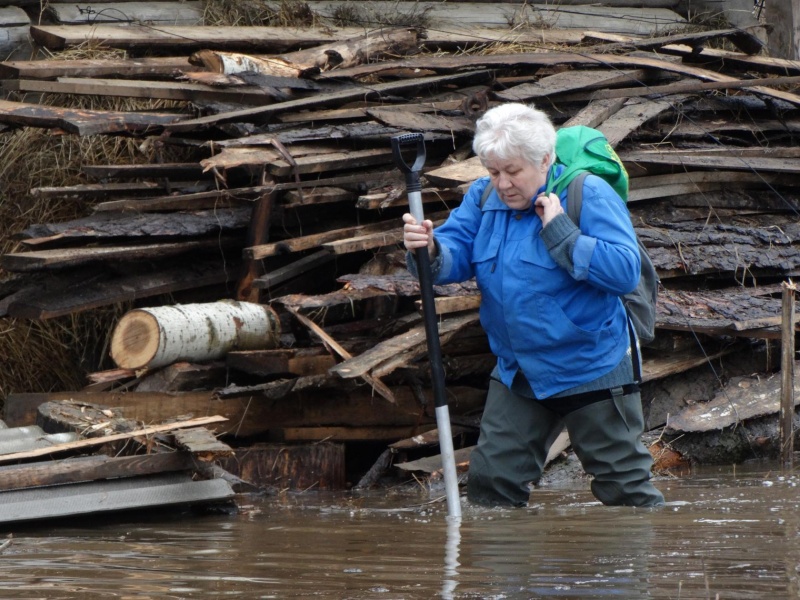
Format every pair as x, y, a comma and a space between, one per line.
414, 191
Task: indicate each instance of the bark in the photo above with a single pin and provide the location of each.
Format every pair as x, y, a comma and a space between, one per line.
155, 337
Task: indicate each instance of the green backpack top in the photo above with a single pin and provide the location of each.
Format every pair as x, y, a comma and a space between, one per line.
582, 148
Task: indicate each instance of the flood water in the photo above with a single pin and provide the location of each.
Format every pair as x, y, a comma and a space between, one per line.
724, 534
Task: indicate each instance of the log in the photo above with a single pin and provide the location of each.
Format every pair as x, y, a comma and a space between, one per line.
346, 53
158, 336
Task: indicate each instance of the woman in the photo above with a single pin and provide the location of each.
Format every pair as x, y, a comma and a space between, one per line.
551, 310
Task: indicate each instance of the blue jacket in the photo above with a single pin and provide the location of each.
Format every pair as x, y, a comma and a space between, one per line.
550, 298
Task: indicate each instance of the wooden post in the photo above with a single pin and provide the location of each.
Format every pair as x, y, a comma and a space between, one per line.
787, 376
783, 21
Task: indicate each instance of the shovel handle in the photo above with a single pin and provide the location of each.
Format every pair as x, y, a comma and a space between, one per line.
399, 142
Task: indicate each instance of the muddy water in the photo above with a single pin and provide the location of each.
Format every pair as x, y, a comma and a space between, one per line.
724, 535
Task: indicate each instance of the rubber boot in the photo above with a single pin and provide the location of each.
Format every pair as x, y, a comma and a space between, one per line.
606, 437
516, 433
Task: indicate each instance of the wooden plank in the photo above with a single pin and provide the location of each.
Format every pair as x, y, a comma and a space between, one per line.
743, 398
679, 184
237, 195
309, 242
83, 122
449, 64
166, 90
448, 305
319, 195
295, 269
299, 362
465, 171
734, 60
352, 159
74, 295
350, 434
410, 121
304, 467
269, 40
568, 81
681, 87
151, 66
633, 20
202, 443
164, 226
735, 163
103, 190
734, 310
390, 354
155, 13
252, 413
376, 384
596, 113
99, 441
175, 171
742, 39
631, 117
272, 40
318, 100
70, 257
91, 468
109, 496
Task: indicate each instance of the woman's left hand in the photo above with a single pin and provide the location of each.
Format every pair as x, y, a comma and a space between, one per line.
547, 207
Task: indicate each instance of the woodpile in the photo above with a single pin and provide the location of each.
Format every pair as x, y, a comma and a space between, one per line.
292, 200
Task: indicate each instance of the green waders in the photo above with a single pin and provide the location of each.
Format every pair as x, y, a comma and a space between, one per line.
516, 433
607, 438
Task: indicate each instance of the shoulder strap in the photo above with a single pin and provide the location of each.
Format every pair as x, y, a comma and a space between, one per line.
575, 197
486, 192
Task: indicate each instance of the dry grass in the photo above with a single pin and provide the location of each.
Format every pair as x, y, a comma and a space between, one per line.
45, 356
41, 356
359, 14
286, 13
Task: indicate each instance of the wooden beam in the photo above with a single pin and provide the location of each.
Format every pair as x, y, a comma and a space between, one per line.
69, 257
91, 468
166, 90
153, 66
83, 122
376, 384
292, 270
351, 93
99, 441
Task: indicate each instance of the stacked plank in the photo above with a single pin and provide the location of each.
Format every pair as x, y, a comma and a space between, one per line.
294, 201
140, 467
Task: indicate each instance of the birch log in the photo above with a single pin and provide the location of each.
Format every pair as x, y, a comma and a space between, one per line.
158, 336
341, 54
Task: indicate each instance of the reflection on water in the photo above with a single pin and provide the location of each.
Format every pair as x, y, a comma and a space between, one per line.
723, 535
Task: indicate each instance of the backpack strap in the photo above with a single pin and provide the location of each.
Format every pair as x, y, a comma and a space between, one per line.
486, 193
574, 205
575, 197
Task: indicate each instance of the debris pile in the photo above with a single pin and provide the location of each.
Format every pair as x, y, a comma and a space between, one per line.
292, 200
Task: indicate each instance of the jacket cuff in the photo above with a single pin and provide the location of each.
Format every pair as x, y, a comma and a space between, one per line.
558, 230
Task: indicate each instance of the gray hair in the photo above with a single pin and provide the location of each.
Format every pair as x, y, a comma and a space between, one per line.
515, 130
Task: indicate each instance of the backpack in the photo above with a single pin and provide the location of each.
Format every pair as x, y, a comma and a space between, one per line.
594, 153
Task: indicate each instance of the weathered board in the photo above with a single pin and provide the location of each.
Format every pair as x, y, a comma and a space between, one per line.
109, 496
83, 122
156, 13
742, 398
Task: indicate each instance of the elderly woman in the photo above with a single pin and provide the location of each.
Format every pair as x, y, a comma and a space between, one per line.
551, 310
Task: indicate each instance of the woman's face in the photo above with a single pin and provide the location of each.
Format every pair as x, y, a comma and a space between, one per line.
517, 180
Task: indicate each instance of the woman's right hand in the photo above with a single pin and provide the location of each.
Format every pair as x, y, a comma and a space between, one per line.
418, 235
